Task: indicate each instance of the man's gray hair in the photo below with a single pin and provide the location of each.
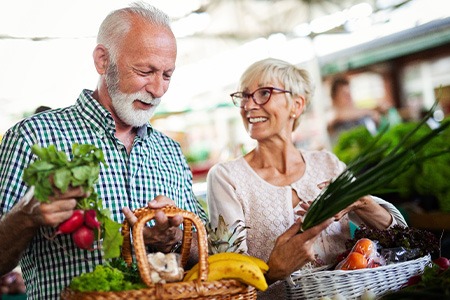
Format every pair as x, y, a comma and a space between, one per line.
117, 24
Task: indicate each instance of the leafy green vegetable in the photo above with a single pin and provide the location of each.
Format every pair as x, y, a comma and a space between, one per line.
112, 240
368, 174
53, 169
130, 272
351, 143
103, 279
54, 165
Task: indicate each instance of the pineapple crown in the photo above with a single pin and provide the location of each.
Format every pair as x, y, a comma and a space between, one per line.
224, 238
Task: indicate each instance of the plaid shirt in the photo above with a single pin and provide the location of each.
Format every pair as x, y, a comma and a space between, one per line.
154, 167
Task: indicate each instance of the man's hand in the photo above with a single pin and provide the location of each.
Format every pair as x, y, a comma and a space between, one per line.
57, 210
12, 283
166, 232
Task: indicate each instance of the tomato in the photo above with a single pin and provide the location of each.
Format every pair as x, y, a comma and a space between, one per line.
353, 261
365, 246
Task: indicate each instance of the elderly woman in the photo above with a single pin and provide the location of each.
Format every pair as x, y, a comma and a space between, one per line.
271, 187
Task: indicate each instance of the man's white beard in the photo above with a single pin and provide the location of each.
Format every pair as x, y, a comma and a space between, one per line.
123, 105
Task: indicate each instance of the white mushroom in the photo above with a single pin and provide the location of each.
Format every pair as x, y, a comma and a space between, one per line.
165, 267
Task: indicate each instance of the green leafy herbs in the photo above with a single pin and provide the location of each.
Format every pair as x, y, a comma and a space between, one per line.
105, 278
130, 272
371, 172
53, 170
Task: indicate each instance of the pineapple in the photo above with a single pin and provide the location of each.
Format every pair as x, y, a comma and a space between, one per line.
224, 239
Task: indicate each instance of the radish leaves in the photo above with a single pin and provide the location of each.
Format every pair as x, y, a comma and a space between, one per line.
53, 169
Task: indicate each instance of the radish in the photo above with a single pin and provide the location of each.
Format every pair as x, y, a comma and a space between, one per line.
71, 224
442, 262
413, 280
83, 237
90, 219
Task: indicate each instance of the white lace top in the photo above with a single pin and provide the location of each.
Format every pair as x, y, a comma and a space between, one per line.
236, 192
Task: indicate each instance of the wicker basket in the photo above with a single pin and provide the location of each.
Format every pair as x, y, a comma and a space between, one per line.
352, 284
229, 289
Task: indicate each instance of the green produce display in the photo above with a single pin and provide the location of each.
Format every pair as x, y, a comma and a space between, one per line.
375, 168
425, 177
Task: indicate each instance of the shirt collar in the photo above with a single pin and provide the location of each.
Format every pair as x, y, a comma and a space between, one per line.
101, 119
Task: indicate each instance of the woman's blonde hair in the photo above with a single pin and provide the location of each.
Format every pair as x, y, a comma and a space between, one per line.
294, 79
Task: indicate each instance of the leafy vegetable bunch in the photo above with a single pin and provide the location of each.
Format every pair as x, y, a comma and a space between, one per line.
373, 170
107, 278
53, 170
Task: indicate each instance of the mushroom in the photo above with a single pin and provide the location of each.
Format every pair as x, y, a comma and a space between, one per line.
165, 267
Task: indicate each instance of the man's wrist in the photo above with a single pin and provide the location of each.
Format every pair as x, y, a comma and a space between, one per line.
176, 248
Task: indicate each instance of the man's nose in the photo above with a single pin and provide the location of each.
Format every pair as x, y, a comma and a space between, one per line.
156, 86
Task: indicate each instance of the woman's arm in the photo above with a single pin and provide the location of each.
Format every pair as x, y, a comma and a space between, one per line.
222, 199
374, 212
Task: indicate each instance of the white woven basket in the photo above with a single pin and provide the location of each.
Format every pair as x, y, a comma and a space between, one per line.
352, 284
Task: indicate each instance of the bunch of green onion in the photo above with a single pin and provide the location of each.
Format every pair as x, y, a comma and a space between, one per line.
365, 175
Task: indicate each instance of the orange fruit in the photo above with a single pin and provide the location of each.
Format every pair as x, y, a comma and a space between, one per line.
354, 261
364, 246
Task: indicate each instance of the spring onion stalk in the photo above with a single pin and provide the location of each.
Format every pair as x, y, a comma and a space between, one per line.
370, 172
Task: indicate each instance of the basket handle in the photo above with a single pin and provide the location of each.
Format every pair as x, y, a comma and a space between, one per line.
146, 214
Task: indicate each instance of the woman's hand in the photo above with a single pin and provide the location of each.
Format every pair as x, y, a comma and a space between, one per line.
361, 203
304, 206
370, 212
166, 232
293, 250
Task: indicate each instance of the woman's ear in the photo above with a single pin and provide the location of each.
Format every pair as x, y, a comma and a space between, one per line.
298, 106
101, 59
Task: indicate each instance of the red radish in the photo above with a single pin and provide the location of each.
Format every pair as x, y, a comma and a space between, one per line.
413, 280
83, 237
90, 219
442, 262
71, 224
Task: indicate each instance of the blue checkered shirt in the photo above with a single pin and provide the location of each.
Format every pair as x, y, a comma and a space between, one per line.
155, 166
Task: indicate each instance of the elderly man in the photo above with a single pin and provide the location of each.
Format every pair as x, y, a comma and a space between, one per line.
135, 59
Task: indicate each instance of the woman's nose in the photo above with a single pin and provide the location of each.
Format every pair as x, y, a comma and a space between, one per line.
250, 104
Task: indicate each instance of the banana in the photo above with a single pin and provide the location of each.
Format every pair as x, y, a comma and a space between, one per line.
229, 256
238, 256
244, 271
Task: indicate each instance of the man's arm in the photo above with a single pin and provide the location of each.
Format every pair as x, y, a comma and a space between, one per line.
17, 229
22, 222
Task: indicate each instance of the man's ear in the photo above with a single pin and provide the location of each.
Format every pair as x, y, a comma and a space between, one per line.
101, 59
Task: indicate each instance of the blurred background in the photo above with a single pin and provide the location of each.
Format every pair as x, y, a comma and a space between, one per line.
395, 53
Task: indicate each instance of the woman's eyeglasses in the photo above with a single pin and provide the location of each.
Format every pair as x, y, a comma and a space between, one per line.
260, 96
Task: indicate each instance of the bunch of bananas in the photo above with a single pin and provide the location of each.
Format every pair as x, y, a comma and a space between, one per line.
229, 265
